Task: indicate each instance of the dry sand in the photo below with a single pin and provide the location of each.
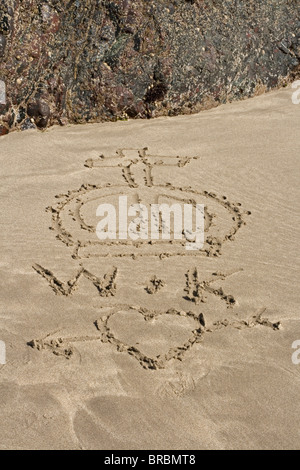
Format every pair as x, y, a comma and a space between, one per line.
97, 375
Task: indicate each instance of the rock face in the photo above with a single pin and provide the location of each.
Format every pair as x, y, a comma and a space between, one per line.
94, 60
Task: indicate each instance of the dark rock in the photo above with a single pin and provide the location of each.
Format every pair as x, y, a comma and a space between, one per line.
98, 60
3, 130
4, 25
40, 112
3, 109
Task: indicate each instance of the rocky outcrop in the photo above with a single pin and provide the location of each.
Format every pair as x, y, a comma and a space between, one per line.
95, 60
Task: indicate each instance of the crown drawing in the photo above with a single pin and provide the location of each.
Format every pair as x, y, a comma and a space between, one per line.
138, 175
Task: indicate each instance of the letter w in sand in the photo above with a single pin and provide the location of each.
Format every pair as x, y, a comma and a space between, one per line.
106, 286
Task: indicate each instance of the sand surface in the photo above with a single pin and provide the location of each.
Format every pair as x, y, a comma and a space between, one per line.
119, 360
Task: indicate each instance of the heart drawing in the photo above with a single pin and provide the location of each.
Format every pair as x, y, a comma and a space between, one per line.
190, 329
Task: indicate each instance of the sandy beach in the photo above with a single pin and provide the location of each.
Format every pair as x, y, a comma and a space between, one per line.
134, 345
